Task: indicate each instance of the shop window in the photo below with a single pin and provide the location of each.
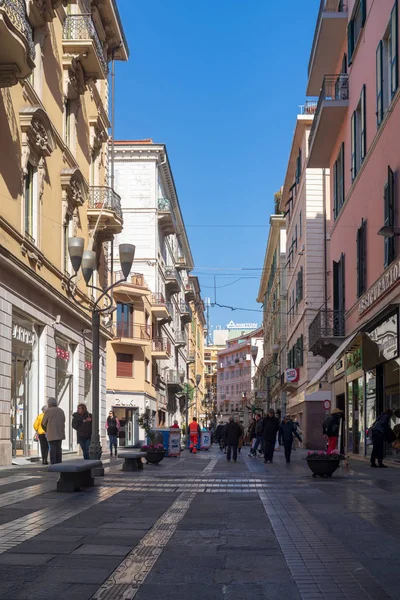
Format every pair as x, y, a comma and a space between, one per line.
355, 26
88, 378
361, 263
389, 217
124, 365
338, 183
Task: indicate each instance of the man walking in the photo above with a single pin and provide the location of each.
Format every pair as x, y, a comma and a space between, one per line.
270, 429
259, 436
232, 435
331, 429
53, 423
195, 433
287, 430
219, 434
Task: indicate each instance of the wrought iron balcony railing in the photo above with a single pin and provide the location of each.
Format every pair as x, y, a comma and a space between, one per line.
327, 324
334, 87
309, 107
325, 6
105, 197
16, 13
172, 377
180, 337
133, 331
81, 27
164, 204
185, 308
161, 344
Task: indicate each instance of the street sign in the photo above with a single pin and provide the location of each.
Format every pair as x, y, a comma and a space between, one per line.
292, 375
327, 404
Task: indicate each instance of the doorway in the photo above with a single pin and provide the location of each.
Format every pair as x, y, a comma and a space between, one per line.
19, 405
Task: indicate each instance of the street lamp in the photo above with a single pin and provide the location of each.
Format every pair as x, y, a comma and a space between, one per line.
389, 231
86, 261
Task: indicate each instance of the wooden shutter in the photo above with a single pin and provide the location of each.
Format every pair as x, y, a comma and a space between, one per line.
350, 42
363, 9
301, 284
341, 177
353, 146
393, 51
363, 137
335, 190
361, 235
389, 217
124, 365
379, 84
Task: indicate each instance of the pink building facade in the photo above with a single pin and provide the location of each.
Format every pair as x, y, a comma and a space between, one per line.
235, 373
355, 134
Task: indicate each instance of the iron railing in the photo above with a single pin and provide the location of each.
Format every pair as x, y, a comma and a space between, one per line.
102, 197
325, 6
172, 377
327, 324
170, 273
185, 308
309, 107
158, 298
334, 87
16, 14
81, 27
164, 205
161, 344
133, 331
180, 337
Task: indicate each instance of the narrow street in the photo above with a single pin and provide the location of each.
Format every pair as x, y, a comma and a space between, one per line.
198, 527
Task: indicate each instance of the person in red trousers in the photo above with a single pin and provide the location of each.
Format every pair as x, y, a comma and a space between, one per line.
195, 432
331, 429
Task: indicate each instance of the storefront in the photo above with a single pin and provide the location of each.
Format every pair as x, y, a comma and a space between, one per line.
65, 385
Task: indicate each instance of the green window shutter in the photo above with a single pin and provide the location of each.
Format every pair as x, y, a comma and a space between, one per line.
350, 42
353, 146
341, 177
301, 283
335, 190
363, 139
379, 84
363, 8
393, 51
301, 351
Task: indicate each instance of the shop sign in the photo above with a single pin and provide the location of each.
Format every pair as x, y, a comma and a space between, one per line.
338, 367
124, 402
21, 334
386, 340
291, 375
387, 281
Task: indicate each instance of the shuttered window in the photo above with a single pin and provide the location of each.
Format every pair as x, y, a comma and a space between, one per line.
355, 26
393, 51
379, 83
361, 258
389, 199
353, 145
124, 365
363, 125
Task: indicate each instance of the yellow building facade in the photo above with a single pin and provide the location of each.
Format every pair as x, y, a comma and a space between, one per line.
196, 391
54, 100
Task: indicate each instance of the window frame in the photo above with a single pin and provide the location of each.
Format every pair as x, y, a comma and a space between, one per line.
361, 258
119, 361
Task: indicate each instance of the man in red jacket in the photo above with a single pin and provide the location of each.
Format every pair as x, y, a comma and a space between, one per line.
194, 431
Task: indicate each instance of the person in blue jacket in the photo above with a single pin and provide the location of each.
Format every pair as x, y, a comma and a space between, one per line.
287, 430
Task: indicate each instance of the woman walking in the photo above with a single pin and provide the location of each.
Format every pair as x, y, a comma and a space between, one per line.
381, 432
82, 423
113, 427
44, 446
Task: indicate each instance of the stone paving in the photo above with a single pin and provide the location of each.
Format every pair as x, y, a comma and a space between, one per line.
199, 527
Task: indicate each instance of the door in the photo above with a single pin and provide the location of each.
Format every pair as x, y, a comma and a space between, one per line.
129, 427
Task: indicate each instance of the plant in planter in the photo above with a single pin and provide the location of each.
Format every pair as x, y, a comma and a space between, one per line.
155, 452
324, 464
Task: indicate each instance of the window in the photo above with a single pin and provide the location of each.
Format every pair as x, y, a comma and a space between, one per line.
299, 287
354, 28
124, 320
147, 369
339, 296
30, 204
361, 248
300, 225
124, 365
298, 167
67, 122
338, 183
358, 136
66, 228
389, 197
387, 68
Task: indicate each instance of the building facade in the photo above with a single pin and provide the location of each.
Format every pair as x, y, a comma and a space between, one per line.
210, 378
195, 357
356, 125
235, 376
154, 223
272, 295
53, 185
305, 201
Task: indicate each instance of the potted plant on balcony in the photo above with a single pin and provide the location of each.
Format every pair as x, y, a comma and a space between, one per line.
155, 452
324, 464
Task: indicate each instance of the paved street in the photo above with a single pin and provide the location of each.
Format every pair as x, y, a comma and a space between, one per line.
198, 527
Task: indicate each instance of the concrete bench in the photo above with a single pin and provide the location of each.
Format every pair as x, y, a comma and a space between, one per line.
75, 474
132, 460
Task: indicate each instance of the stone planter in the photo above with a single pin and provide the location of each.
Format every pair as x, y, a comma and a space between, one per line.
323, 467
154, 456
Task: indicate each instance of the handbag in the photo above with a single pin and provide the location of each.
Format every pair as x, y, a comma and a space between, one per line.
36, 437
390, 436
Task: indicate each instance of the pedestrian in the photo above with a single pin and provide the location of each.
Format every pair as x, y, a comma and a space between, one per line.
258, 436
82, 423
251, 432
232, 436
113, 426
53, 423
331, 429
287, 430
175, 425
219, 435
270, 429
195, 435
241, 438
44, 446
381, 433
295, 440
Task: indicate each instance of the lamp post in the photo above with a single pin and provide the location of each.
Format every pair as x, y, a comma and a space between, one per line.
86, 261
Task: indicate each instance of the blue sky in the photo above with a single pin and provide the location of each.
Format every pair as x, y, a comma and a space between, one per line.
220, 83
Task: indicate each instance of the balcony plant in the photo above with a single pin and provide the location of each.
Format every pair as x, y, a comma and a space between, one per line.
324, 464
155, 452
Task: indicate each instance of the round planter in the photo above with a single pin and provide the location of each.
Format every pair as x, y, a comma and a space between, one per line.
323, 468
154, 456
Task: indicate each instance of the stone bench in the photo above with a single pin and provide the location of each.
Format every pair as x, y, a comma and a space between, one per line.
75, 474
132, 460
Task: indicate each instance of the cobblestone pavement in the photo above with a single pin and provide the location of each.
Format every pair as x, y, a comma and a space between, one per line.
199, 527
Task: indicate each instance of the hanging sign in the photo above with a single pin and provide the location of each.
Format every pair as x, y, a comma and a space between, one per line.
291, 375
88, 365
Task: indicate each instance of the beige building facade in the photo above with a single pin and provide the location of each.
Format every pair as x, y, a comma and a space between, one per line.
54, 100
196, 355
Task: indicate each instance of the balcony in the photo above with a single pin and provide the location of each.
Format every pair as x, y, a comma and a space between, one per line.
186, 312
309, 108
329, 37
132, 334
172, 280
161, 348
80, 40
134, 288
191, 357
180, 339
17, 50
104, 211
329, 115
173, 379
160, 308
165, 216
180, 263
189, 291
326, 333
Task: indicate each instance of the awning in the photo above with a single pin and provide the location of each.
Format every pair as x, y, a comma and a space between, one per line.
332, 360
